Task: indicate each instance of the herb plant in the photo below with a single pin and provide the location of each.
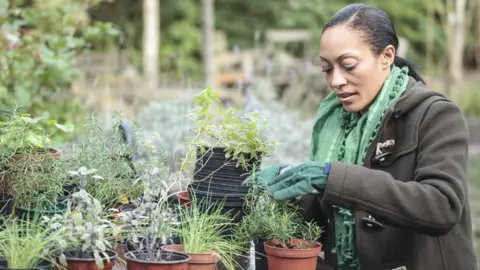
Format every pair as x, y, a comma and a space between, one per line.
240, 134
89, 233
24, 134
151, 224
103, 148
27, 244
280, 221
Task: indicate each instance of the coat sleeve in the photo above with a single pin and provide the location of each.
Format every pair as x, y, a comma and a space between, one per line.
433, 202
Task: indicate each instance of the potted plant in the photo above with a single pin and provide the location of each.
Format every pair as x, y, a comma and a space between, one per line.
149, 227
23, 135
258, 224
291, 242
29, 244
90, 233
270, 221
38, 185
203, 238
294, 250
225, 147
31, 170
103, 148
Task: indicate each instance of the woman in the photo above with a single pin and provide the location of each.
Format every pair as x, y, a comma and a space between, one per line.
388, 160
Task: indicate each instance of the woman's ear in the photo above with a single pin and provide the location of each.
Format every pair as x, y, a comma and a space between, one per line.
388, 56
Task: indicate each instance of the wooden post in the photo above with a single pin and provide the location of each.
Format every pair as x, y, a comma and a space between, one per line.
208, 42
151, 42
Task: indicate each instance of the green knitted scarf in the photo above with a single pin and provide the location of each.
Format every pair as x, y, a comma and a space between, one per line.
346, 137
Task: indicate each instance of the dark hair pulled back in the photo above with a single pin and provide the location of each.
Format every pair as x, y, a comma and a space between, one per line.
375, 27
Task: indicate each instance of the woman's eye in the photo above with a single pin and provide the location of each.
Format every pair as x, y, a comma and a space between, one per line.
349, 68
326, 70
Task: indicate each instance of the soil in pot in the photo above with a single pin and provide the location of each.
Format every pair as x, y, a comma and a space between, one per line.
77, 260
169, 260
6, 204
292, 255
198, 261
43, 266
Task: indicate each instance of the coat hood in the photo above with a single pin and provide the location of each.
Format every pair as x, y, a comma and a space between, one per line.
415, 94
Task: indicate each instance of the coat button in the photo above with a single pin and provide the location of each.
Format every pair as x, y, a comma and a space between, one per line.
371, 223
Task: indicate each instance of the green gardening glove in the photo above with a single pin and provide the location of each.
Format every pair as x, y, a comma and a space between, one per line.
264, 177
302, 179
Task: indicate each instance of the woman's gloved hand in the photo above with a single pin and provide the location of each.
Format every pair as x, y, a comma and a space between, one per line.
264, 177
302, 179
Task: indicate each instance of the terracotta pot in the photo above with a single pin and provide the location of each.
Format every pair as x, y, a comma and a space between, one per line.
89, 263
50, 152
287, 259
7, 187
198, 261
176, 261
184, 198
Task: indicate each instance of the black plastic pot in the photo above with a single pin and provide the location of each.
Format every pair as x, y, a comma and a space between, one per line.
217, 177
227, 189
220, 170
128, 207
6, 204
70, 189
43, 266
230, 200
30, 214
261, 262
213, 160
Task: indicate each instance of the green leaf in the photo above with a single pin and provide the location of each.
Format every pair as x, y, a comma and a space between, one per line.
100, 245
62, 259
36, 140
65, 128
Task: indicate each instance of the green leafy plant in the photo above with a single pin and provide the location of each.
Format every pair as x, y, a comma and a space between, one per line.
39, 44
152, 223
240, 134
24, 134
31, 168
89, 232
280, 221
102, 147
27, 244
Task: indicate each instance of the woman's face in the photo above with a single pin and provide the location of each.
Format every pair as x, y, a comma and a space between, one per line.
354, 72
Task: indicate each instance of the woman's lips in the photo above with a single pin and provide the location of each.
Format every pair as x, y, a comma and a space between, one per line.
346, 97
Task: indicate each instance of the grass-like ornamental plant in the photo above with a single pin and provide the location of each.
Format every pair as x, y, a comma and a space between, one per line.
206, 231
27, 244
